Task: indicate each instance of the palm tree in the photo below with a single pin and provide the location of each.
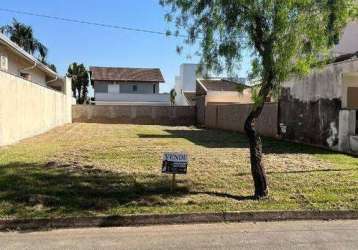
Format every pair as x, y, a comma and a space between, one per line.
80, 78
173, 95
22, 35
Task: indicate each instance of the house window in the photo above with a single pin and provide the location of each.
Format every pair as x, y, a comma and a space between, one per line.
4, 63
26, 76
153, 88
135, 88
113, 89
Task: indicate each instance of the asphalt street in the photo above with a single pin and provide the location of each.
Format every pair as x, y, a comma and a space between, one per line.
264, 235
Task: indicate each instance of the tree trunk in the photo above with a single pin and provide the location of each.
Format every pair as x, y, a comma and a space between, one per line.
79, 99
257, 168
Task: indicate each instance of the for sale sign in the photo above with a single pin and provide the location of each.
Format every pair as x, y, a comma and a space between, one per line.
175, 163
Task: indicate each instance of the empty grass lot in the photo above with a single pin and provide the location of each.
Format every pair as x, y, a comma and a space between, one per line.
103, 169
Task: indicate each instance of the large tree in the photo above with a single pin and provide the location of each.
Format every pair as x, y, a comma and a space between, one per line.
23, 35
284, 37
80, 80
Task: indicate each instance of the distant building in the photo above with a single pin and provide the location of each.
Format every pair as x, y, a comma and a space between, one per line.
222, 91
185, 84
123, 86
190, 85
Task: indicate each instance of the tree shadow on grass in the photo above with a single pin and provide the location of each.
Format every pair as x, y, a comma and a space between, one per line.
209, 138
64, 190
229, 196
35, 190
302, 171
214, 138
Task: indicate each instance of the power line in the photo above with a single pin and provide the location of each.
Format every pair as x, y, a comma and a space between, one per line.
72, 20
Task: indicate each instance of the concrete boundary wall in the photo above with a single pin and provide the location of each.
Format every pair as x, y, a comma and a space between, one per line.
28, 109
135, 114
232, 117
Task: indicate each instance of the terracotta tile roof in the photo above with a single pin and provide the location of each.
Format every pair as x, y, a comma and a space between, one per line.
126, 74
221, 85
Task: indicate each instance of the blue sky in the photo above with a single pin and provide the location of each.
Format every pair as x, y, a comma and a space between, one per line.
98, 46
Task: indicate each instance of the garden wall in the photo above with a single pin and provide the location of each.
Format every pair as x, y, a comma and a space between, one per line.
134, 114
28, 109
232, 117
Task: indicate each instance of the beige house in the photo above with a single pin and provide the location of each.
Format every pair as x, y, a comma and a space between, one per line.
16, 61
222, 91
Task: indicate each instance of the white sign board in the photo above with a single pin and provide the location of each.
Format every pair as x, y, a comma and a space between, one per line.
175, 157
175, 163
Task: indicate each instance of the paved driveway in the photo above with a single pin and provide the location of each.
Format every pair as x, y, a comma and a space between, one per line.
272, 235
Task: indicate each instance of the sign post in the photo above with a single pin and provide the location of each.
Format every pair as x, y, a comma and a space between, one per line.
172, 187
174, 163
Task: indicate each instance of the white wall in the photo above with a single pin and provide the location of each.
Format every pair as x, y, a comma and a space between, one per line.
28, 109
349, 40
133, 98
324, 83
186, 82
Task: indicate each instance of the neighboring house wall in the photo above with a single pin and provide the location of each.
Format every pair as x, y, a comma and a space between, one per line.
120, 99
16, 65
127, 88
311, 107
229, 96
224, 96
348, 43
141, 88
107, 92
135, 114
28, 109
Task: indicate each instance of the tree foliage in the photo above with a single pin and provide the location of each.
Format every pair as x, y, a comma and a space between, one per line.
23, 35
80, 81
285, 37
173, 95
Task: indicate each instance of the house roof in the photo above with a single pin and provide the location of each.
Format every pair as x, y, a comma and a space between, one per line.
220, 85
22, 53
191, 97
126, 74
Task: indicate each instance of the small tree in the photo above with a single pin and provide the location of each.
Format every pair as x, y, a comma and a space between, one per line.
284, 36
173, 95
80, 79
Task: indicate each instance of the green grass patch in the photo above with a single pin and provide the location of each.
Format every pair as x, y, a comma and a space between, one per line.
104, 169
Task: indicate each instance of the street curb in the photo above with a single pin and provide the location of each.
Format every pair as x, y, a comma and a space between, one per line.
166, 219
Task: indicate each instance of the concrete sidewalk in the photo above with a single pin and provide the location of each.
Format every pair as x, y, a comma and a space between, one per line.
263, 235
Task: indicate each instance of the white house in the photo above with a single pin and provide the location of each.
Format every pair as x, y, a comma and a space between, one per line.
185, 84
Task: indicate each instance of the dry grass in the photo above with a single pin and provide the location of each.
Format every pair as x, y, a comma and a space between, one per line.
100, 169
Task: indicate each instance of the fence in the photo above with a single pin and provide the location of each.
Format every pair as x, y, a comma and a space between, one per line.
232, 117
132, 114
28, 109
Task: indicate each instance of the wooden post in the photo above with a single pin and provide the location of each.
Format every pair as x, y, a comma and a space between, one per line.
173, 184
